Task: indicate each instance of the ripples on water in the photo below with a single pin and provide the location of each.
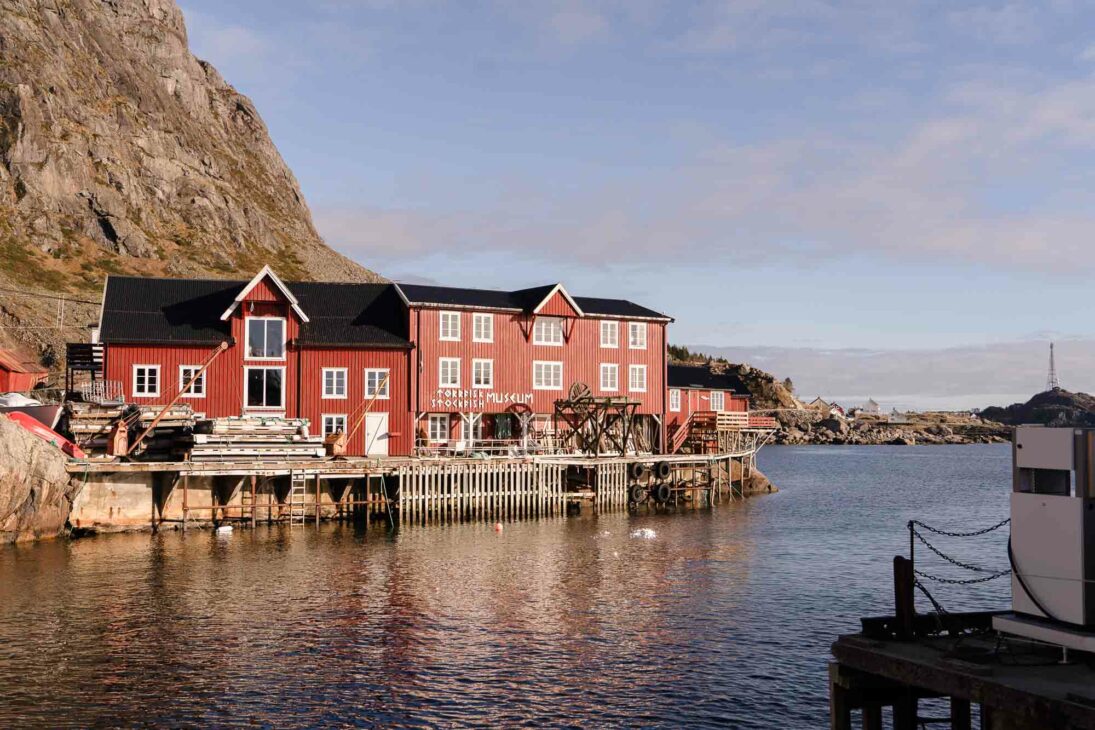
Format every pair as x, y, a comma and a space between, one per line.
725, 618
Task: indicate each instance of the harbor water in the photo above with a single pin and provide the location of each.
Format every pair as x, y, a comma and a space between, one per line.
718, 617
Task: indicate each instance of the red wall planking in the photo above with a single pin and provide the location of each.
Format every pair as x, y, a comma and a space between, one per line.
513, 353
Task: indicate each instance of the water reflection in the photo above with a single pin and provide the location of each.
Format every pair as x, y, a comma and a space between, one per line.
723, 618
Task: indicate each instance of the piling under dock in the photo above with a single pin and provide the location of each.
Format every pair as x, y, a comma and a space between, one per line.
1017, 684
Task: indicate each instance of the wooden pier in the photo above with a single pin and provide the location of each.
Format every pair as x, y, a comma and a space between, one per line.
419, 490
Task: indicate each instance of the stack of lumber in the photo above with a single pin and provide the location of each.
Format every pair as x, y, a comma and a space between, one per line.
89, 425
253, 438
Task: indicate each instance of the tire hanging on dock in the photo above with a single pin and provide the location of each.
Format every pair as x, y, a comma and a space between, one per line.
663, 469
661, 493
637, 493
635, 470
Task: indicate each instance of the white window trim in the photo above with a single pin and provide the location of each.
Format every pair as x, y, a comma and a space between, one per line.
615, 326
182, 381
247, 339
345, 384
459, 375
547, 362
324, 416
722, 400
429, 427
544, 343
479, 361
630, 344
386, 394
284, 386
633, 369
137, 367
440, 329
609, 366
477, 316
675, 395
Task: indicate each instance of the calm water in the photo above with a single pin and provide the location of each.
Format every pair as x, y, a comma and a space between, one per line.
725, 618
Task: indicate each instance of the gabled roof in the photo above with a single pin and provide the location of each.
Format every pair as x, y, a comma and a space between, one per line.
188, 311
265, 273
545, 296
700, 377
522, 300
13, 363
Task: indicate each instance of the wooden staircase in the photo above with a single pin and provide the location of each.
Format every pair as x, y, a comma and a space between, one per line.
700, 429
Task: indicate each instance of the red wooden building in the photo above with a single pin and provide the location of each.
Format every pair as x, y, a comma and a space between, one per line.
19, 374
696, 388
491, 364
451, 367
312, 350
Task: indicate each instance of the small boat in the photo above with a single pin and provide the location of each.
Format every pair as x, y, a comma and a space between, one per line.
48, 435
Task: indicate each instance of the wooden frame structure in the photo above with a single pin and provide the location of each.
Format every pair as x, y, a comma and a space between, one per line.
598, 425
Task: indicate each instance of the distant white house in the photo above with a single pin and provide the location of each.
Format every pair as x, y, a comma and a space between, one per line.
871, 407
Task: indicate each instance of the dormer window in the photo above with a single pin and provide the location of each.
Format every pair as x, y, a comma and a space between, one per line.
265, 338
548, 331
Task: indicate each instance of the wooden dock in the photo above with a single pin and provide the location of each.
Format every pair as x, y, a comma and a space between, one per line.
420, 490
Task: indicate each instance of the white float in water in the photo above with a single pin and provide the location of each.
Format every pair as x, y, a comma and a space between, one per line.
644, 533
224, 530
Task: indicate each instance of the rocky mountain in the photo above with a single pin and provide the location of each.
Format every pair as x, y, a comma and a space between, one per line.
1056, 407
122, 152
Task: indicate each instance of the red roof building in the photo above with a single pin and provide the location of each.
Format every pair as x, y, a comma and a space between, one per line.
444, 368
19, 374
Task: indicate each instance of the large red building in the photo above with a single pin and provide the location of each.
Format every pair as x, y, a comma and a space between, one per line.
443, 368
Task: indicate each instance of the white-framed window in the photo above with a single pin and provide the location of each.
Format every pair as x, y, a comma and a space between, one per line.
482, 373
333, 423
439, 427
547, 375
448, 372
264, 387
334, 382
674, 399
265, 338
610, 333
636, 335
610, 376
146, 380
548, 331
197, 388
636, 378
450, 326
482, 327
377, 382
718, 400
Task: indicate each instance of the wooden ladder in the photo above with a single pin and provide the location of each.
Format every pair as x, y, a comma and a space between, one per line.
298, 489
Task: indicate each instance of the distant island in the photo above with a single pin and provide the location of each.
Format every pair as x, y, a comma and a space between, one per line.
1054, 407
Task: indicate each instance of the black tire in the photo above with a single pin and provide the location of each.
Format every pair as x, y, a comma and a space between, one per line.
637, 493
662, 493
635, 470
663, 469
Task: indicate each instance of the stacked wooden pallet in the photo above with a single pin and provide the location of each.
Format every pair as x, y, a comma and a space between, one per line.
252, 438
89, 425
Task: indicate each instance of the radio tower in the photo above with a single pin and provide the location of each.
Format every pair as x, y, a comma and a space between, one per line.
1052, 383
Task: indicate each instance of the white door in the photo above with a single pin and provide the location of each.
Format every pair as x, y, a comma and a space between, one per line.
376, 434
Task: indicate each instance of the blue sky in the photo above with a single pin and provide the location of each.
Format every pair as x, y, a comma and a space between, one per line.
771, 173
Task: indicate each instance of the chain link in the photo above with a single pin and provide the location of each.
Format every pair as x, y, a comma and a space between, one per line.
945, 533
962, 581
948, 558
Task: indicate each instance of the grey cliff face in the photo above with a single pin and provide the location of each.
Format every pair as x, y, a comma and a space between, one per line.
120, 149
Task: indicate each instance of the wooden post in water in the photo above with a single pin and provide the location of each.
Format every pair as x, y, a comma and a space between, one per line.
904, 607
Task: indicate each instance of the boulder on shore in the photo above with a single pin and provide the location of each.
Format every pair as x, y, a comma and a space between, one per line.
35, 490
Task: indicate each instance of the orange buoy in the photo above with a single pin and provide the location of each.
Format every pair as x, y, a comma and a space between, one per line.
497, 526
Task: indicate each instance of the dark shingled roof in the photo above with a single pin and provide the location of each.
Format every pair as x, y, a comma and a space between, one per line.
700, 376
187, 311
524, 300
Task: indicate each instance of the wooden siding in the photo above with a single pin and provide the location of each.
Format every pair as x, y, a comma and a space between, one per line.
699, 399
224, 380
557, 306
513, 353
